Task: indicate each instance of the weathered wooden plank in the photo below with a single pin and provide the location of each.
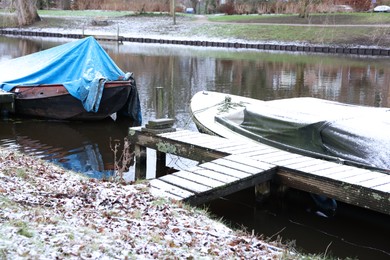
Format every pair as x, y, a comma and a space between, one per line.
346, 169
384, 188
185, 184
361, 178
263, 150
322, 165
339, 170
169, 189
192, 176
220, 144
178, 133
246, 149
293, 161
247, 161
229, 145
159, 143
304, 164
274, 155
380, 180
161, 193
349, 172
349, 193
238, 149
231, 187
288, 156
213, 174
278, 158
198, 137
238, 166
228, 171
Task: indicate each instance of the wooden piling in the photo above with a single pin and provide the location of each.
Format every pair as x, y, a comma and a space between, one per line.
7, 104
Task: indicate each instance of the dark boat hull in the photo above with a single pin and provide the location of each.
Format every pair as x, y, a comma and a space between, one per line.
54, 101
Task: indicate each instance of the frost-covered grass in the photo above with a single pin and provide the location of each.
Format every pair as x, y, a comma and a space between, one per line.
47, 212
84, 13
326, 18
364, 29
286, 33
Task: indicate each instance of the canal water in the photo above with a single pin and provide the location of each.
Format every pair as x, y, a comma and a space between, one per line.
181, 71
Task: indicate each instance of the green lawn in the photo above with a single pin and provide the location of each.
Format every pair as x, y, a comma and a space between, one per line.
331, 18
85, 13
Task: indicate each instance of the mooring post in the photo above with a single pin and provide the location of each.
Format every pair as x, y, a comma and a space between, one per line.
262, 191
160, 156
117, 32
159, 126
140, 162
161, 162
159, 102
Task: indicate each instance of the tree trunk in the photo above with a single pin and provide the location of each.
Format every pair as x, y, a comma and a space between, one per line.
65, 4
26, 11
194, 4
304, 8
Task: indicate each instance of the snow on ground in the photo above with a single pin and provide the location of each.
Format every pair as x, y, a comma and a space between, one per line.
47, 212
159, 27
153, 27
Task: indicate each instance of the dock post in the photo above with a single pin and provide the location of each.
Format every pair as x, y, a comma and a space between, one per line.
140, 162
161, 162
160, 156
159, 102
159, 126
7, 103
262, 191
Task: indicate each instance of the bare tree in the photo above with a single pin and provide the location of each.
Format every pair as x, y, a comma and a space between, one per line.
65, 4
26, 11
304, 8
194, 4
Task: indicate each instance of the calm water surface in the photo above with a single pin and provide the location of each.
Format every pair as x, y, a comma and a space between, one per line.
182, 71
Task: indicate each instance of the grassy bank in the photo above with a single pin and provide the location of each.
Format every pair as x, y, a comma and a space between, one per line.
345, 29
340, 29
323, 19
286, 33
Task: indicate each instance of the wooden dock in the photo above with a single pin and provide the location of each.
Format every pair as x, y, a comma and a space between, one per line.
227, 166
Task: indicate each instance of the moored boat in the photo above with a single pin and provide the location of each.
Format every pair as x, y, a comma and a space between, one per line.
73, 81
350, 134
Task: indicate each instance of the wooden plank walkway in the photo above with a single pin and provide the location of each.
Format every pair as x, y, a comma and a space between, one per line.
212, 178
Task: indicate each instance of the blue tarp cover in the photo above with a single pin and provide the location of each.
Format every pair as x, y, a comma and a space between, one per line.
78, 65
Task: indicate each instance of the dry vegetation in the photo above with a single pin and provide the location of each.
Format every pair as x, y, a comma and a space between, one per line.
49, 213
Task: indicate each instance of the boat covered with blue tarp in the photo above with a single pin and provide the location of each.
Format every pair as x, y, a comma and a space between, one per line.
76, 80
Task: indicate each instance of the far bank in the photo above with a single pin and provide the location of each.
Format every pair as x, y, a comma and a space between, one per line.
347, 31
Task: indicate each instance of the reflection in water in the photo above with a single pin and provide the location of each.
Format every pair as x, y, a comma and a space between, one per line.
182, 71
288, 219
78, 146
